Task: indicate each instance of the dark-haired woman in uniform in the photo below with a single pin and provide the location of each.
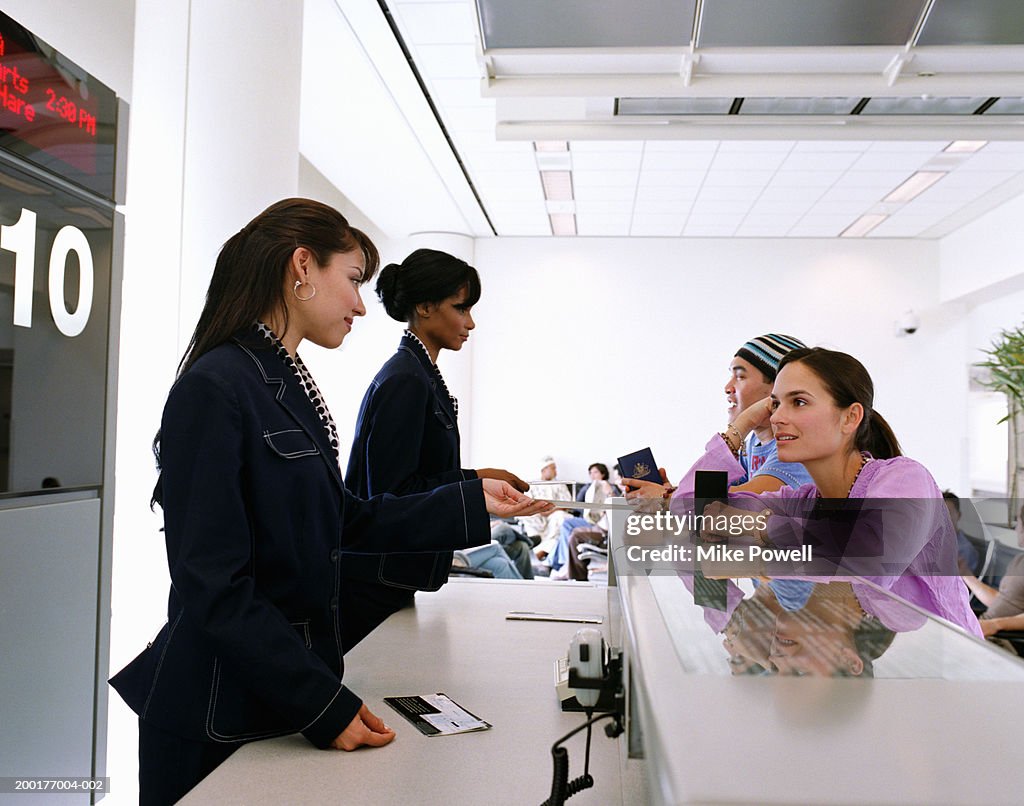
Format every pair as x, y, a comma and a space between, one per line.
407, 435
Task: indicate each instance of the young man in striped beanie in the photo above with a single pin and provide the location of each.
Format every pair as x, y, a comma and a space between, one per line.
752, 372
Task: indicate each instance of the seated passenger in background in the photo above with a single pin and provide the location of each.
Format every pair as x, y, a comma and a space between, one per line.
752, 372
967, 555
821, 414
544, 530
1005, 606
597, 491
516, 544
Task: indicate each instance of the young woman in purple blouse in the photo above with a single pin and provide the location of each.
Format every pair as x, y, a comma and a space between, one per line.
821, 412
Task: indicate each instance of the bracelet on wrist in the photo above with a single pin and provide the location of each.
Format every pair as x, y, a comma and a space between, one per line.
727, 435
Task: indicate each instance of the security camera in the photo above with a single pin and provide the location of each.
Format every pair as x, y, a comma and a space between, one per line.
907, 324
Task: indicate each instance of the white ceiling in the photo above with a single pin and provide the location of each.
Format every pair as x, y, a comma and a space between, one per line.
748, 180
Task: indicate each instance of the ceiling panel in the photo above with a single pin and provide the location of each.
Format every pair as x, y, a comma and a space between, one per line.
606, 145
604, 192
806, 179
747, 160
645, 207
438, 23
977, 22
651, 179
994, 161
606, 160
704, 207
677, 161
604, 178
610, 206
716, 178
656, 225
602, 224
807, 23
665, 193
789, 193
819, 161
585, 23
447, 61
742, 185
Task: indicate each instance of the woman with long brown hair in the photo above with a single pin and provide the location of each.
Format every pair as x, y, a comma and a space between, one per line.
256, 513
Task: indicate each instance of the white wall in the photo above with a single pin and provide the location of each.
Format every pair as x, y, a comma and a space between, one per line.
198, 171
591, 348
985, 256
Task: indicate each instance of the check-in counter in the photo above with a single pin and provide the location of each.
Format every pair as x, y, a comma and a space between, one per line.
791, 691
459, 642
738, 692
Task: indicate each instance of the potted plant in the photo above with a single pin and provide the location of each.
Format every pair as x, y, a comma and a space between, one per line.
1005, 365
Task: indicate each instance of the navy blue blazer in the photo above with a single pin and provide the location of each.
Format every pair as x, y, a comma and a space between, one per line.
406, 441
256, 515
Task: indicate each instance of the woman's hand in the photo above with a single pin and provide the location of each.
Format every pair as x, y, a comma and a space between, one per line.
366, 728
990, 626
503, 500
502, 475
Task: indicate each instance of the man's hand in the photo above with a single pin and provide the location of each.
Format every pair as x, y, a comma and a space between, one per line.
755, 416
635, 488
365, 729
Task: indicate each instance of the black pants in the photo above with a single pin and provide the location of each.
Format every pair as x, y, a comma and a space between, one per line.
170, 766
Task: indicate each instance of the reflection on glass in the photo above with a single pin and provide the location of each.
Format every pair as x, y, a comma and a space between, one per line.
790, 627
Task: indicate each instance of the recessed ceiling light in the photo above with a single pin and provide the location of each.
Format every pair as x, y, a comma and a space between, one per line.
965, 146
917, 184
557, 185
562, 223
550, 145
863, 225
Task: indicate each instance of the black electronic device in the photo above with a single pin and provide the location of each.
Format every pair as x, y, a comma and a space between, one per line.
53, 113
709, 485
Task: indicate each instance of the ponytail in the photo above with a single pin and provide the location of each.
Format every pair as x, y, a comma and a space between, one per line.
876, 437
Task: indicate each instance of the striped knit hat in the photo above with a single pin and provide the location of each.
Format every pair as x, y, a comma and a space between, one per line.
765, 352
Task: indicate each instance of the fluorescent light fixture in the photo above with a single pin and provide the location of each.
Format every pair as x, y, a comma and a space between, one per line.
550, 145
557, 185
562, 223
561, 207
554, 161
917, 184
863, 225
965, 146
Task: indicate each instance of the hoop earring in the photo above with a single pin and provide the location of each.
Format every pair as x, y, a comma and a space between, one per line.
295, 291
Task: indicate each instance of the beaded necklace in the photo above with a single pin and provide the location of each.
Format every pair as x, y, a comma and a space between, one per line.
863, 461
305, 379
437, 372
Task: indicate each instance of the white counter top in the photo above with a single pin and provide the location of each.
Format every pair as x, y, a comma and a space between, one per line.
455, 641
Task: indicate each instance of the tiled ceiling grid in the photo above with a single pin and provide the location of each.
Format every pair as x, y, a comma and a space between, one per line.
757, 188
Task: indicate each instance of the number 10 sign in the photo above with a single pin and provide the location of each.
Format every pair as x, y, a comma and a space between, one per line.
20, 238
